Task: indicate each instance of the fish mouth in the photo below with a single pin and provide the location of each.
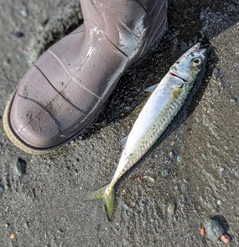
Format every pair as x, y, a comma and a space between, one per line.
177, 76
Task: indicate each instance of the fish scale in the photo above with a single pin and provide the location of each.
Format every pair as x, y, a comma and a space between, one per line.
160, 109
156, 131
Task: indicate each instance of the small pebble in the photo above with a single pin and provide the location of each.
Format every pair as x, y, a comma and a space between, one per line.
20, 166
225, 239
216, 73
171, 155
7, 225
12, 236
171, 208
219, 202
213, 229
149, 178
1, 188
221, 169
24, 13
233, 100
60, 231
179, 158
203, 231
139, 178
165, 172
17, 34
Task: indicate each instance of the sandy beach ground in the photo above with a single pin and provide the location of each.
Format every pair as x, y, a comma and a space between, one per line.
190, 175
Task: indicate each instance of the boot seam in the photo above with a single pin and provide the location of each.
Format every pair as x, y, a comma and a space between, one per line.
108, 38
71, 76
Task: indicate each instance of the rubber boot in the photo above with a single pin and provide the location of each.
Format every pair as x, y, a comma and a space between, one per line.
67, 86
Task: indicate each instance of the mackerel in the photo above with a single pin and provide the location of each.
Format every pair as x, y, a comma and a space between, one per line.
166, 100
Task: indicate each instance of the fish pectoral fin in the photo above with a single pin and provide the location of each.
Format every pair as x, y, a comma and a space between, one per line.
176, 92
124, 140
150, 89
107, 195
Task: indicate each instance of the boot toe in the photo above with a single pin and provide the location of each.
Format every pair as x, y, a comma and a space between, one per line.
39, 117
29, 104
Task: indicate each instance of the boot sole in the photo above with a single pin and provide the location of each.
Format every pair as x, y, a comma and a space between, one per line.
13, 138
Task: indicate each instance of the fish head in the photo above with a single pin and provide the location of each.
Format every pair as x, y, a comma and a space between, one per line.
190, 64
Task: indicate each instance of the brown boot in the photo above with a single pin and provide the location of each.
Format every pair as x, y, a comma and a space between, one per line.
67, 86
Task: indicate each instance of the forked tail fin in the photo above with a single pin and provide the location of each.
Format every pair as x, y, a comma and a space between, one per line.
108, 195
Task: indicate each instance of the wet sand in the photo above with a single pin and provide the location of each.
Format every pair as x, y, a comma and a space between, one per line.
191, 174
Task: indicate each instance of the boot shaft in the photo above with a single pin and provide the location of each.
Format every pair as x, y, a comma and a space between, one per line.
131, 25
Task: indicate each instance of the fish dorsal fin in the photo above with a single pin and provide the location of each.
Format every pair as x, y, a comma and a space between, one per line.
124, 140
151, 88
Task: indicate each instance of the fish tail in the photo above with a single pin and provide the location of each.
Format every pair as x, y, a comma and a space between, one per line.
108, 194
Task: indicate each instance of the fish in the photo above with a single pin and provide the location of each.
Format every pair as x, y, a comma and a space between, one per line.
163, 104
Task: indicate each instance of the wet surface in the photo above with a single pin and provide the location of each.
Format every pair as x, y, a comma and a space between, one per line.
190, 175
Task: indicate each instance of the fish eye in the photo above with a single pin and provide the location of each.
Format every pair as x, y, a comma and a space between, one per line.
197, 61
